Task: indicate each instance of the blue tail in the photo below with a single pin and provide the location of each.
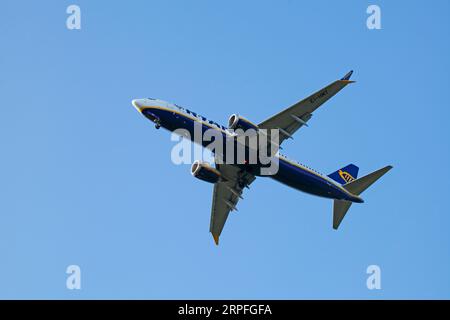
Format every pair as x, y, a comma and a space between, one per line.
346, 174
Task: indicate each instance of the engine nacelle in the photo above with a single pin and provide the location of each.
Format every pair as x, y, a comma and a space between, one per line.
205, 172
237, 122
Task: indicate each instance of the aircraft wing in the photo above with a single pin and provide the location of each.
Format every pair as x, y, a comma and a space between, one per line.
291, 119
226, 195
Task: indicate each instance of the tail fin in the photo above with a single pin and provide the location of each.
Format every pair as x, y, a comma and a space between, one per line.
346, 174
356, 187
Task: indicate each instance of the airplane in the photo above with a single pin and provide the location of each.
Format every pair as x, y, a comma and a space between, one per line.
342, 186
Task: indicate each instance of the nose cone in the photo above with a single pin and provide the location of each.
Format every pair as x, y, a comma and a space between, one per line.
138, 104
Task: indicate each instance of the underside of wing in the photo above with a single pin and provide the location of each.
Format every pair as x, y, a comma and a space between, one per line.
226, 195
291, 119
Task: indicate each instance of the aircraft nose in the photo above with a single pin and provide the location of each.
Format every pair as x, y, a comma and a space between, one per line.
138, 104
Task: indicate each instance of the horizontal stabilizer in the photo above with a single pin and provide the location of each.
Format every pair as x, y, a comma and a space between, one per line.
356, 187
359, 185
340, 208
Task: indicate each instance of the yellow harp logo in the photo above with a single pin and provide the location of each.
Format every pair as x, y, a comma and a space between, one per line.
346, 176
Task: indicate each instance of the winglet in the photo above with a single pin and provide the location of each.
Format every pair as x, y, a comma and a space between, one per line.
216, 239
348, 75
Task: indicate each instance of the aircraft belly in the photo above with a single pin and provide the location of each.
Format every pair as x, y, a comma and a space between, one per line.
303, 180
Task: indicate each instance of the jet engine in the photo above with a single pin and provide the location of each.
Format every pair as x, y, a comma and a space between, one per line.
205, 172
237, 122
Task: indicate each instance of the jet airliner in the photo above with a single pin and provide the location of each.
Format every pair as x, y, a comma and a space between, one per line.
343, 185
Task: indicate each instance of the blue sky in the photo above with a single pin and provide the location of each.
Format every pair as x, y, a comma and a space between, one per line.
86, 180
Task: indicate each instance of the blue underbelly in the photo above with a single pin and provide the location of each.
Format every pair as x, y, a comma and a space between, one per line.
306, 181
